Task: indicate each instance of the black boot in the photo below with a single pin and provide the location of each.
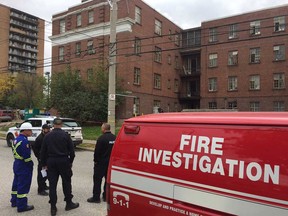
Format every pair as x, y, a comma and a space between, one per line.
70, 205
53, 210
28, 208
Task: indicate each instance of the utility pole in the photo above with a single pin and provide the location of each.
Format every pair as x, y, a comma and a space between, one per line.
112, 65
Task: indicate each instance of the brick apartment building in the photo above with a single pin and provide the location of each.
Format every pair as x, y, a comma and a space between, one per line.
244, 63
148, 57
22, 41
238, 62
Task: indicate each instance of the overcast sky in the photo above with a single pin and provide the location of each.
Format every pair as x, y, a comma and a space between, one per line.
185, 13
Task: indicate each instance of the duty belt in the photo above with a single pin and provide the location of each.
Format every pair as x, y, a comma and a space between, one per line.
16, 155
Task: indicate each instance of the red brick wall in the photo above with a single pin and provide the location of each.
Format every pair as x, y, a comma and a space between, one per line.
265, 41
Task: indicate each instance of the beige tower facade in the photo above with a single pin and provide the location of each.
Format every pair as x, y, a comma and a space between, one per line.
22, 42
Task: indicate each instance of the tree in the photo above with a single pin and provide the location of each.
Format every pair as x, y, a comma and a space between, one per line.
81, 99
7, 83
27, 91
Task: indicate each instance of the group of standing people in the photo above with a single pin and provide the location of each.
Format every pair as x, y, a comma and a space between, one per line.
55, 154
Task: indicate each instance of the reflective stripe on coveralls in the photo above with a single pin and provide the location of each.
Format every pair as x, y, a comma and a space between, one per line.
16, 155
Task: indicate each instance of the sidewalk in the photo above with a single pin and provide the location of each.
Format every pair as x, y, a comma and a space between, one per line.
88, 145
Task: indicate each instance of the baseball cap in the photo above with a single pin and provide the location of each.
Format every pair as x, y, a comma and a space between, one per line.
46, 126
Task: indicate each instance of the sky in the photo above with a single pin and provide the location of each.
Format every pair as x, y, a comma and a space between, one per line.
185, 13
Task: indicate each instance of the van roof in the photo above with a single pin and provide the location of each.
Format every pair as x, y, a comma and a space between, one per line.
235, 118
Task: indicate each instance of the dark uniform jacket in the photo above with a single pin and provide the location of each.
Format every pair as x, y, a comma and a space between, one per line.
36, 147
103, 148
57, 143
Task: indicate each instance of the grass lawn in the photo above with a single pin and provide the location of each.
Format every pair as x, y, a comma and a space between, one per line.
93, 132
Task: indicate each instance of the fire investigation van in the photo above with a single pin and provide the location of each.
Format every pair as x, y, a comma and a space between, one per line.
196, 164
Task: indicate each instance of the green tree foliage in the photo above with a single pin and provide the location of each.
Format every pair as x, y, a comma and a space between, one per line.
82, 99
26, 91
7, 83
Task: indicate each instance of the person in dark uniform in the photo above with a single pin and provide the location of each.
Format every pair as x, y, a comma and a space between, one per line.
22, 168
57, 155
36, 147
102, 154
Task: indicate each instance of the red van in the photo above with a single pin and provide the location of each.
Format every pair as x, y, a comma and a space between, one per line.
210, 163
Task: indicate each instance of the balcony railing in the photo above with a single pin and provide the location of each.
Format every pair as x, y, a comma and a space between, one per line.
190, 72
189, 95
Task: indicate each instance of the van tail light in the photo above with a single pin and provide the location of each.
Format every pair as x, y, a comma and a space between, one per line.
131, 129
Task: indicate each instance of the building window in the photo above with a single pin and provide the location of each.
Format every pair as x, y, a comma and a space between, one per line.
90, 74
278, 106
168, 84
62, 26
78, 20
78, 49
254, 82
279, 52
158, 27
232, 105
169, 60
212, 82
91, 17
137, 46
213, 60
170, 34
177, 62
212, 34
157, 81
177, 39
137, 76
78, 73
278, 81
255, 106
212, 105
176, 85
138, 15
279, 24
61, 53
156, 105
233, 58
90, 49
136, 107
255, 55
233, 31
255, 28
232, 83
158, 54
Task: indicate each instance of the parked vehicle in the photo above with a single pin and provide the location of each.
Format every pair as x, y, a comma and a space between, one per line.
213, 163
6, 115
69, 125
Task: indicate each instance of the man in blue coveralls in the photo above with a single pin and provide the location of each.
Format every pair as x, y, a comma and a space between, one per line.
22, 168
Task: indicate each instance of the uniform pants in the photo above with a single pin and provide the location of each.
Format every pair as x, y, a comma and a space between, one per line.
21, 183
40, 179
59, 166
100, 171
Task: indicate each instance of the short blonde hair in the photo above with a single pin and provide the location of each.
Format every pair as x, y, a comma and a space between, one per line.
105, 126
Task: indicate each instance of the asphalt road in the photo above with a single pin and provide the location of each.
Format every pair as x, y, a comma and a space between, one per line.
82, 184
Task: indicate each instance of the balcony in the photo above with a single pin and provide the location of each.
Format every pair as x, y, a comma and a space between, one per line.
23, 26
189, 95
24, 17
193, 72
